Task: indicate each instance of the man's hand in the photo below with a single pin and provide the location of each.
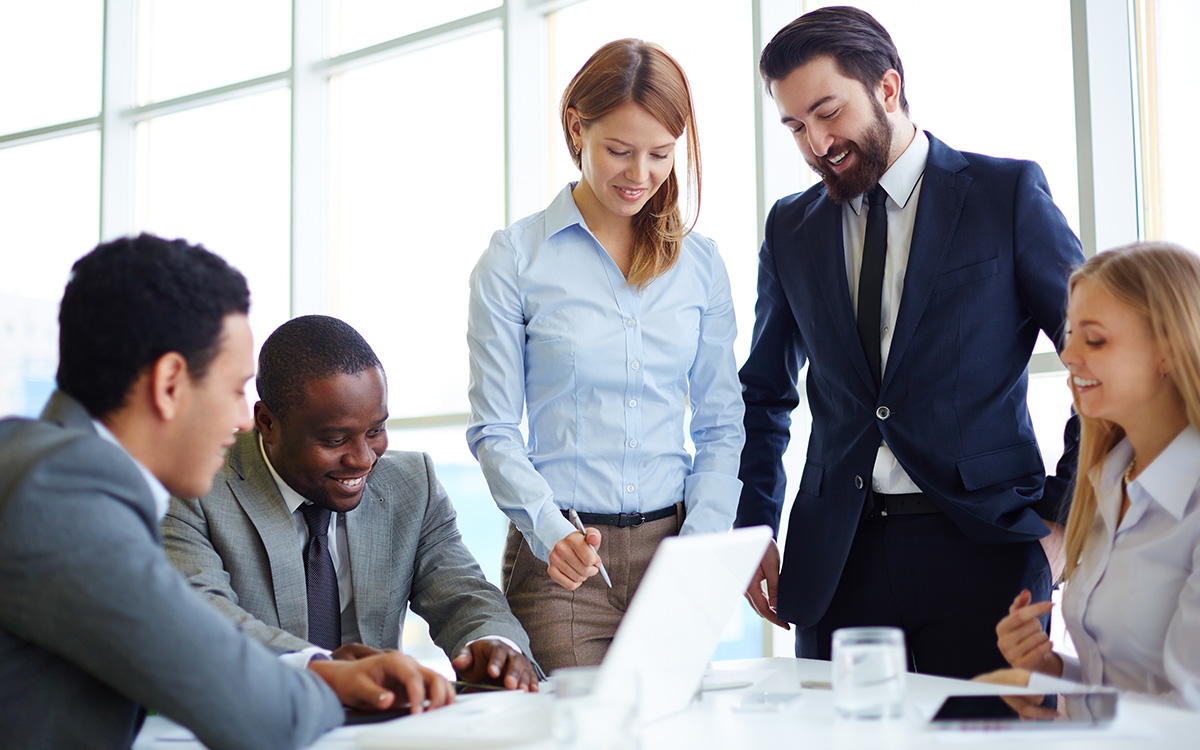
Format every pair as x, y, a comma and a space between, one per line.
1022, 640
377, 683
574, 560
767, 572
495, 663
354, 652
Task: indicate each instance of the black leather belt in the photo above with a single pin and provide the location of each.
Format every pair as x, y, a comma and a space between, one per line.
899, 505
624, 519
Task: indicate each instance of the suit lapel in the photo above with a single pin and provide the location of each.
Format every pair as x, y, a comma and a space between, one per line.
822, 232
260, 499
943, 192
368, 531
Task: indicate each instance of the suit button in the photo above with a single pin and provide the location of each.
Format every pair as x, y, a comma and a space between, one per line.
883, 412
858, 482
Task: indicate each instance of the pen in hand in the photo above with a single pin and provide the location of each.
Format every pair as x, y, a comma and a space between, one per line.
574, 517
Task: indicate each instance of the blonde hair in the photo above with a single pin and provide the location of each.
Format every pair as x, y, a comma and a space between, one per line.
630, 70
1161, 283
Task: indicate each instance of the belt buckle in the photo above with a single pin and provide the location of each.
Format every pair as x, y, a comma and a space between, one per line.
636, 519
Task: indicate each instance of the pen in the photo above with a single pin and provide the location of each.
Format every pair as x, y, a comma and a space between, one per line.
571, 514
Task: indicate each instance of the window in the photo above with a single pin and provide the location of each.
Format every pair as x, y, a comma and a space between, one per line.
1166, 55
353, 157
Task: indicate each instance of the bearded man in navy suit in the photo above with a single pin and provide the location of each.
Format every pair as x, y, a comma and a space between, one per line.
924, 493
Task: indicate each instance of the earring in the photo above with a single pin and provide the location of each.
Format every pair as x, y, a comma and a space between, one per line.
576, 147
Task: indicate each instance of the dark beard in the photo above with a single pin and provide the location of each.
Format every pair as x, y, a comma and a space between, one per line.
871, 152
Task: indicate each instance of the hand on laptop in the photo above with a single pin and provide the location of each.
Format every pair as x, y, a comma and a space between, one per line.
380, 682
495, 662
766, 572
574, 559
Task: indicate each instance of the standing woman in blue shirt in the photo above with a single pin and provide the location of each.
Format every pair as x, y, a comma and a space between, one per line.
611, 322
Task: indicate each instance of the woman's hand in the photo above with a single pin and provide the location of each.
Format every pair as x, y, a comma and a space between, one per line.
574, 560
1022, 640
1026, 706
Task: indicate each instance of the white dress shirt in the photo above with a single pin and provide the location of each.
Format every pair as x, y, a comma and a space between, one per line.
902, 183
1132, 606
339, 549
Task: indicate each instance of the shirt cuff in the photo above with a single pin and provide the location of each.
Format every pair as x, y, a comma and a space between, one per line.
300, 659
500, 638
1071, 668
1049, 684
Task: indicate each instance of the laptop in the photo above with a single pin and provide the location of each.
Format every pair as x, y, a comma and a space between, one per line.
675, 621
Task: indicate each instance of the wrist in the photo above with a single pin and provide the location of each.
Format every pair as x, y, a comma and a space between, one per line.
1052, 664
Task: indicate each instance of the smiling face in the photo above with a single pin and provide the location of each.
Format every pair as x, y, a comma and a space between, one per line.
210, 410
625, 157
328, 444
1118, 371
842, 130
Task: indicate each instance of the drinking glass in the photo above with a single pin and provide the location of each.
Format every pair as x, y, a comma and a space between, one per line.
590, 719
869, 665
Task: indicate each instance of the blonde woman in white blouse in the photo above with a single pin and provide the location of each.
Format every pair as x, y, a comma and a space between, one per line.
1132, 600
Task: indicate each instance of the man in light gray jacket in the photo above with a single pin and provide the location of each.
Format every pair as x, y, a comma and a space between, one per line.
320, 448
95, 624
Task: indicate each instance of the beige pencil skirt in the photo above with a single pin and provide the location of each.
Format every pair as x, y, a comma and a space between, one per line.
574, 628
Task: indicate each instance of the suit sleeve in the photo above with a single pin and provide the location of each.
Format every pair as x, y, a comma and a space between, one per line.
769, 390
449, 589
83, 577
1047, 251
189, 547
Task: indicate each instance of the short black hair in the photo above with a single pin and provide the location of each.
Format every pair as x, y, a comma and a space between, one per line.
311, 347
858, 44
132, 300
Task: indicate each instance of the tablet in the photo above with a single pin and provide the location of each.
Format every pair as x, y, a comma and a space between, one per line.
1074, 710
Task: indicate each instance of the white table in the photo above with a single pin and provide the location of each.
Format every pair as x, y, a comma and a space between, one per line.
715, 720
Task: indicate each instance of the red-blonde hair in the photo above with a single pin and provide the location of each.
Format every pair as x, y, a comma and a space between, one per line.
630, 70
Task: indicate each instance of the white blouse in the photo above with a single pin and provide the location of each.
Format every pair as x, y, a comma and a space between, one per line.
1132, 606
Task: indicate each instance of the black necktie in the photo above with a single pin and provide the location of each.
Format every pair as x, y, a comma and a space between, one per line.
870, 280
324, 605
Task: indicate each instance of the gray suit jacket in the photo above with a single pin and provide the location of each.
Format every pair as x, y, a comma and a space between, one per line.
95, 623
238, 546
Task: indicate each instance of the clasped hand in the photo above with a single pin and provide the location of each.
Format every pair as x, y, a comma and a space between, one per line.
574, 559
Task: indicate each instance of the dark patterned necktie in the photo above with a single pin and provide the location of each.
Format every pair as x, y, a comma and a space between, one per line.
324, 605
870, 281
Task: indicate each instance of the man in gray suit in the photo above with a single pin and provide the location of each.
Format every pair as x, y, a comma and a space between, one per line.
321, 443
154, 353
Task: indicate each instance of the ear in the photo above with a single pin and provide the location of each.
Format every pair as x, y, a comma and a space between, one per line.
888, 91
574, 126
169, 384
266, 423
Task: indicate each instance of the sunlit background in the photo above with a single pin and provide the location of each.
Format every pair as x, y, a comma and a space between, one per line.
353, 157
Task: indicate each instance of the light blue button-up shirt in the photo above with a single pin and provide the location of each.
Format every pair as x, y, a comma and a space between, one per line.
607, 374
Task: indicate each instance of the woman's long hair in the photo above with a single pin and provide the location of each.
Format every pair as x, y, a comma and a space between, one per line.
1161, 283
630, 70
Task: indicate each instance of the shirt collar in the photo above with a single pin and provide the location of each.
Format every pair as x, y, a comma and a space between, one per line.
161, 495
900, 180
1171, 478
562, 212
291, 498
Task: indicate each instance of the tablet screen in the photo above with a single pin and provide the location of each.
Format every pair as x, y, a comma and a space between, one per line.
999, 711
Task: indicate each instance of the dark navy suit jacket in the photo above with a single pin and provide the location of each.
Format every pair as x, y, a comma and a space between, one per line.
988, 268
